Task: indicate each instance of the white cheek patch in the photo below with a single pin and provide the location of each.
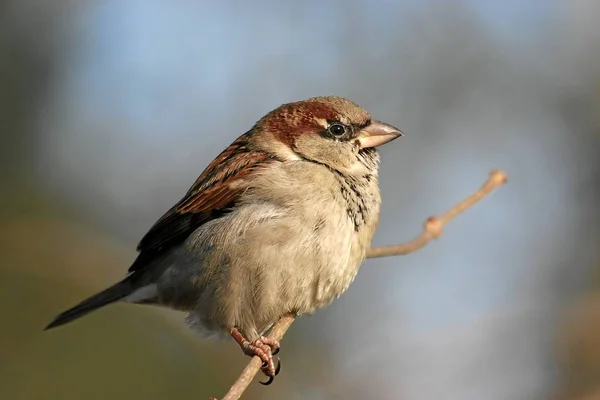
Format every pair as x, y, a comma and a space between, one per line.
285, 153
281, 150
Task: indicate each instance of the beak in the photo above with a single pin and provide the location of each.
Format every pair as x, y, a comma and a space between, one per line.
377, 134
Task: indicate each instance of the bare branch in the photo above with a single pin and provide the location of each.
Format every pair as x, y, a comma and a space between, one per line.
432, 229
433, 226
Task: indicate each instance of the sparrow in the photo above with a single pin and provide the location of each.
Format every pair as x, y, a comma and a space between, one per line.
278, 223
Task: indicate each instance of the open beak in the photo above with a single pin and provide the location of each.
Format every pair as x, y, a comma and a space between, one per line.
377, 134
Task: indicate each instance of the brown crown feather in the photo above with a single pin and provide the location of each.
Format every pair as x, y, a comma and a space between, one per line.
301, 117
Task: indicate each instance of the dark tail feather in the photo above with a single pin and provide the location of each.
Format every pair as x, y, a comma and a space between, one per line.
105, 297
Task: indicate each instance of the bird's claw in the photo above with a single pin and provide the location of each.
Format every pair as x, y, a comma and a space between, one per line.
265, 371
264, 348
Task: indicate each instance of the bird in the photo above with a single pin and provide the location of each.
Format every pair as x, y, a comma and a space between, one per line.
278, 223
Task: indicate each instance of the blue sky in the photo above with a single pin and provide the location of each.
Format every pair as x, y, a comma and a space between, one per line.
131, 52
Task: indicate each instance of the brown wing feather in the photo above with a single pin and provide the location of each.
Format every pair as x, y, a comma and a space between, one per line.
212, 195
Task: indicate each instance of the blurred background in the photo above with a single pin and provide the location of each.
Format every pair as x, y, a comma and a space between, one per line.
110, 109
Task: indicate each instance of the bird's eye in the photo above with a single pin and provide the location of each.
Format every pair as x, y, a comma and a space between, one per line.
337, 129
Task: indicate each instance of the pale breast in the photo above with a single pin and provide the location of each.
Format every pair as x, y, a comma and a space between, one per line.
358, 218
332, 223
282, 249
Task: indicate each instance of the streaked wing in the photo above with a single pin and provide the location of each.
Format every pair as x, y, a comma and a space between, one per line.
213, 194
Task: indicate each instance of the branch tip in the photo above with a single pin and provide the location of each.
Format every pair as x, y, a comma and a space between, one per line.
498, 177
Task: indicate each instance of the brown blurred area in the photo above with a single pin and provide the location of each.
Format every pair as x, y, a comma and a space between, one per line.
578, 347
55, 251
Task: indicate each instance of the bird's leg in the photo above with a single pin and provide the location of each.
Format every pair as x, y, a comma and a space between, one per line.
264, 348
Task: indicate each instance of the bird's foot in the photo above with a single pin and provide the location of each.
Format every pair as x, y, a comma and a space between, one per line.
264, 348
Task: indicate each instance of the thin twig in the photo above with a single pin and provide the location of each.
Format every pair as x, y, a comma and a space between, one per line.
433, 226
432, 229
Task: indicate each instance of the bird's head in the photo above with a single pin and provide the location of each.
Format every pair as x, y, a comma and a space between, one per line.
331, 130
